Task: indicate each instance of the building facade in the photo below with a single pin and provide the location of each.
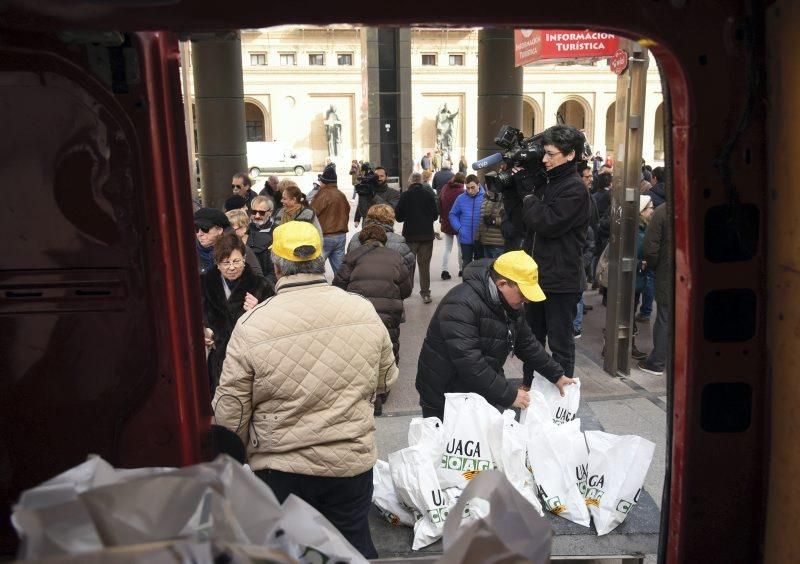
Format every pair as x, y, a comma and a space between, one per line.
295, 76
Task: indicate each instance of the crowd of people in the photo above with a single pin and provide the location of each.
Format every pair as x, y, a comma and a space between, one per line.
299, 366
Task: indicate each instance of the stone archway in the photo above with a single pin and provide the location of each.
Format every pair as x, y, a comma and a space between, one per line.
610, 123
658, 134
254, 122
258, 121
532, 122
577, 112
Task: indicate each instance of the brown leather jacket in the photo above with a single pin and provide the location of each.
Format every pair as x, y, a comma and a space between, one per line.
332, 208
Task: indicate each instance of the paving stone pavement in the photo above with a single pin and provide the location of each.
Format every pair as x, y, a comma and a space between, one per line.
633, 405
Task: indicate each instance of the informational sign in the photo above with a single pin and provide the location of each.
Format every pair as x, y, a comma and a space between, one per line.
531, 45
619, 61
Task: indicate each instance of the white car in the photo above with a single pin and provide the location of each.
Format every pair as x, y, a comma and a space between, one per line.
272, 156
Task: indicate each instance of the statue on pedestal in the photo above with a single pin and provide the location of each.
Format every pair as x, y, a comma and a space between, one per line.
445, 128
333, 131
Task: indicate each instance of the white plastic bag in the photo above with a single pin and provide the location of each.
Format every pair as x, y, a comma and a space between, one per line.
617, 468
309, 537
428, 430
417, 485
513, 460
562, 409
471, 428
553, 455
513, 533
385, 498
537, 414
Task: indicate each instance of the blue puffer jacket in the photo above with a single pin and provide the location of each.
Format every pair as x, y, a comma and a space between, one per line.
465, 216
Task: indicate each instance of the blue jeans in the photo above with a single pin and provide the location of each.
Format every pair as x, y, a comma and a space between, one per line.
333, 249
490, 251
647, 294
470, 252
577, 323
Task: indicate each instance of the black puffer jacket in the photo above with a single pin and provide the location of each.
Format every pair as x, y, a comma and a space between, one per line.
380, 275
259, 240
220, 314
556, 217
468, 341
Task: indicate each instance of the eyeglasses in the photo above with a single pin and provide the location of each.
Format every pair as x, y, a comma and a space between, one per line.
234, 186
200, 228
550, 155
235, 263
259, 212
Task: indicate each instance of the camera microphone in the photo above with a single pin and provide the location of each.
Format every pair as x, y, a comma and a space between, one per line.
486, 162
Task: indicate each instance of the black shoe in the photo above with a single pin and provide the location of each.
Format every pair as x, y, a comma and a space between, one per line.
587, 307
641, 318
576, 333
460, 274
637, 354
446, 275
643, 366
426, 299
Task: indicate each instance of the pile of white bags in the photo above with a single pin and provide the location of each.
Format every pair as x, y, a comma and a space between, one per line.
545, 457
220, 508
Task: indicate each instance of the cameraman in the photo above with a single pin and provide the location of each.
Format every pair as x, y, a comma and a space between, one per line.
374, 191
556, 218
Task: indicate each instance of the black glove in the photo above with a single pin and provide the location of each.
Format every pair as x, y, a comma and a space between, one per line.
489, 220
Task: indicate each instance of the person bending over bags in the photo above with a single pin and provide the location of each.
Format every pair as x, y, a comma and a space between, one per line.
477, 325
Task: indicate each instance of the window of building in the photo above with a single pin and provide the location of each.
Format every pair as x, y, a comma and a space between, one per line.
316, 59
344, 59
456, 59
254, 122
288, 59
258, 59
429, 59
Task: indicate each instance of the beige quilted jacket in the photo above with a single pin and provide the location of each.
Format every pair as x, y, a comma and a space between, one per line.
300, 378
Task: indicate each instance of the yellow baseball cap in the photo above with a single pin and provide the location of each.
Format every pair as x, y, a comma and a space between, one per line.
297, 241
519, 267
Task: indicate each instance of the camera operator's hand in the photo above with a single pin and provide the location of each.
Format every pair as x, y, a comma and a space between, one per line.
562, 383
523, 399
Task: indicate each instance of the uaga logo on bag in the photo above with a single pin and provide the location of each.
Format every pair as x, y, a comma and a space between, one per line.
563, 416
465, 456
623, 506
581, 473
594, 489
439, 513
552, 504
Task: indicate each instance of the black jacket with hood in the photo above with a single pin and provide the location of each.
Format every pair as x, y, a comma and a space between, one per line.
469, 339
556, 218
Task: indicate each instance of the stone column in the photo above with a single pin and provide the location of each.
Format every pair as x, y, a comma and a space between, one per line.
219, 107
387, 79
499, 87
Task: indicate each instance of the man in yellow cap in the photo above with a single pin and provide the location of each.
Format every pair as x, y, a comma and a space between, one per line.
299, 382
477, 325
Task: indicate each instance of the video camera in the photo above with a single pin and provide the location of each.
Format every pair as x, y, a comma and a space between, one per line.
367, 181
519, 153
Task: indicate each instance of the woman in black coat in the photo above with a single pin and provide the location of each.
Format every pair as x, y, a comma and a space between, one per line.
380, 275
228, 290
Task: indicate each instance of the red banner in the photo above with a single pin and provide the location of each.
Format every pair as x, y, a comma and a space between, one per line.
531, 45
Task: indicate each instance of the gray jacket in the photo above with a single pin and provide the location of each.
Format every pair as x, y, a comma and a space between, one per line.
394, 241
656, 251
